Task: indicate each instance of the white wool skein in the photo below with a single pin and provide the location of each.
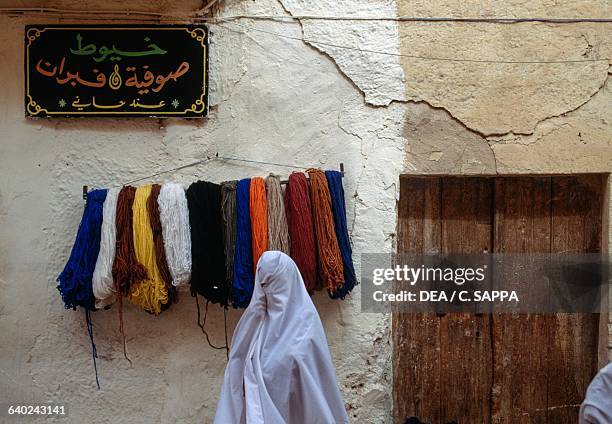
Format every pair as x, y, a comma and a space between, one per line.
102, 280
174, 217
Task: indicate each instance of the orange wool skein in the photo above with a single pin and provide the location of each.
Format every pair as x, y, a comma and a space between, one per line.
330, 260
259, 218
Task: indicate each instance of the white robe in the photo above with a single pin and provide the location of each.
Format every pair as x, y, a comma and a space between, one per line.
280, 369
597, 405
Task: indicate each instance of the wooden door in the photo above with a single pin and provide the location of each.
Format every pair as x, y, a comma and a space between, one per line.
496, 368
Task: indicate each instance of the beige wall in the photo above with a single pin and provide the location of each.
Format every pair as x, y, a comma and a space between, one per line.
509, 118
281, 100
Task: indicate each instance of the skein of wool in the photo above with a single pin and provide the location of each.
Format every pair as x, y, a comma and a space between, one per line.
244, 278
158, 242
278, 232
258, 209
174, 217
102, 281
126, 269
330, 261
208, 262
228, 213
336, 191
301, 230
150, 294
75, 281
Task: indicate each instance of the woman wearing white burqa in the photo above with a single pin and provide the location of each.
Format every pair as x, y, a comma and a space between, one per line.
280, 369
597, 405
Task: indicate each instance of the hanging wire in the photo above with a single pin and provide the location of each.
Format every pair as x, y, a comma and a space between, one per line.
157, 17
166, 171
386, 53
262, 162
207, 159
139, 15
298, 17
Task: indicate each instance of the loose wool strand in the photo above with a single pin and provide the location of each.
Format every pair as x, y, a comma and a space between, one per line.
301, 230
244, 279
228, 213
102, 281
75, 281
259, 218
151, 293
278, 232
330, 261
336, 191
176, 232
158, 242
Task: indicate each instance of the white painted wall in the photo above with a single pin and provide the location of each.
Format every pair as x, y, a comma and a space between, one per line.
272, 99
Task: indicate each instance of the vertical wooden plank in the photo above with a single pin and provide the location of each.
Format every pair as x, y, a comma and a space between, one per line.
573, 347
522, 224
416, 360
604, 317
465, 339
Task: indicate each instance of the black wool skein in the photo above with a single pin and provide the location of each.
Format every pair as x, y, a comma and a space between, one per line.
207, 250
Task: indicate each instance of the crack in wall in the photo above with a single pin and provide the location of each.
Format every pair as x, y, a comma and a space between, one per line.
323, 53
539, 137
484, 134
494, 156
314, 46
595, 93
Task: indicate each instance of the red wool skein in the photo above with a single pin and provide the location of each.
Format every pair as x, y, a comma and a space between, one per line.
301, 230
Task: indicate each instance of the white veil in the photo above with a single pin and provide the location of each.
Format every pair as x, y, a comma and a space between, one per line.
280, 369
597, 405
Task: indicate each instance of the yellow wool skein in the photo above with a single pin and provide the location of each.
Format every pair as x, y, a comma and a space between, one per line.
151, 293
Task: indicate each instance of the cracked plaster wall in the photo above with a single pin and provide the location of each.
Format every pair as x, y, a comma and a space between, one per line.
284, 101
471, 118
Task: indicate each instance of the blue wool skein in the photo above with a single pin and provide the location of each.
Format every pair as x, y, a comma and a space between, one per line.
75, 280
244, 280
75, 283
334, 182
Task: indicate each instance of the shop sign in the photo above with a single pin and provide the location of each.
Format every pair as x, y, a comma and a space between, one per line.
118, 71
